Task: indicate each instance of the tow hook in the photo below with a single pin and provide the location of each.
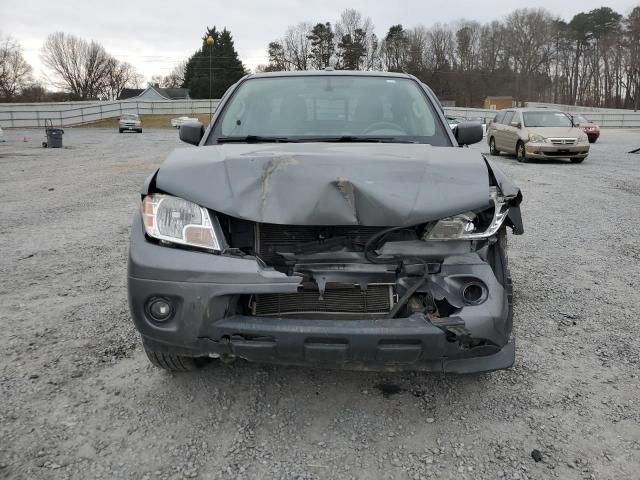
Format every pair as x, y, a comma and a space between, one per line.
454, 328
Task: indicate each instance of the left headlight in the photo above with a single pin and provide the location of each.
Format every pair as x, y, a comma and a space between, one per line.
583, 138
174, 220
470, 225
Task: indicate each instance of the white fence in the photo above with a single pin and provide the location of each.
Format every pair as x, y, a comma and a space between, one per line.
66, 114
27, 115
605, 118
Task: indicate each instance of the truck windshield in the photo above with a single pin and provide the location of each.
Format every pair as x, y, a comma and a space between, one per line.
546, 119
330, 108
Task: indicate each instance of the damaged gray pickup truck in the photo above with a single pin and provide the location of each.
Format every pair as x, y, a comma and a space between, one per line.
328, 219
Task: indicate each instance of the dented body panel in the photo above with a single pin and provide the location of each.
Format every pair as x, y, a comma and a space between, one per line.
329, 184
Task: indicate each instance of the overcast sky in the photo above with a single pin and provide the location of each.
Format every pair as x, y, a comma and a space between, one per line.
154, 36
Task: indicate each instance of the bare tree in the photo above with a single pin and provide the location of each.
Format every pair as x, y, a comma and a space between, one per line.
529, 32
119, 76
593, 59
632, 34
468, 46
492, 46
418, 45
176, 78
80, 67
15, 72
297, 46
156, 80
442, 46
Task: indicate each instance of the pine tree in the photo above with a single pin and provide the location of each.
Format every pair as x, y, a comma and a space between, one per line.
352, 50
226, 67
322, 45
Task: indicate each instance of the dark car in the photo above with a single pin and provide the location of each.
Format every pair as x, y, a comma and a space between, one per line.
326, 218
591, 129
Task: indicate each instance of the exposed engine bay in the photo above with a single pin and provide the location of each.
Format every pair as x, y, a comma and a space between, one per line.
355, 271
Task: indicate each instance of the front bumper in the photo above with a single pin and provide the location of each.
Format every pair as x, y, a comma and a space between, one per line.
592, 135
205, 289
130, 126
541, 150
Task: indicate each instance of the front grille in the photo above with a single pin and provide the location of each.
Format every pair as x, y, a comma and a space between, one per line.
563, 141
337, 298
563, 154
273, 238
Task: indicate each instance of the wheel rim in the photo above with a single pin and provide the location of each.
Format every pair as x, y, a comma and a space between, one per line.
492, 145
521, 152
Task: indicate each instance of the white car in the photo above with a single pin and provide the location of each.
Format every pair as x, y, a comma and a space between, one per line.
129, 122
176, 122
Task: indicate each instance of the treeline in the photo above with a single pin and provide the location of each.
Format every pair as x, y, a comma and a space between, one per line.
83, 70
80, 70
532, 55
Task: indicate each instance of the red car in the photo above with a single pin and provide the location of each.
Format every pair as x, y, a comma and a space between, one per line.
591, 129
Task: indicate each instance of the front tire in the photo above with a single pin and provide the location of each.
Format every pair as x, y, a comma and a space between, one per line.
521, 153
492, 147
120, 130
169, 361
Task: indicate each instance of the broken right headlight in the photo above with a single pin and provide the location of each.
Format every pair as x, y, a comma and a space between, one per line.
471, 225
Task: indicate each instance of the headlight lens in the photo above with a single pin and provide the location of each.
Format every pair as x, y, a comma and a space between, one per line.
583, 138
174, 220
464, 226
534, 137
452, 227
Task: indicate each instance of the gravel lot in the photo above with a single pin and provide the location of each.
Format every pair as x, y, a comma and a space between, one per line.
80, 400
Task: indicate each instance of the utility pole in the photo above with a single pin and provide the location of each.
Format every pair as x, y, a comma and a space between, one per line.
210, 42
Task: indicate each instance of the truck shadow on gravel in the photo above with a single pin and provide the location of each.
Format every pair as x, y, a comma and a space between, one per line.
296, 381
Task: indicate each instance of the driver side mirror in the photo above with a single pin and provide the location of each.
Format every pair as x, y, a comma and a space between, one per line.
517, 125
468, 133
191, 132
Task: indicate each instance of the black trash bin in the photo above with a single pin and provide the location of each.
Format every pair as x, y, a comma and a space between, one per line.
54, 137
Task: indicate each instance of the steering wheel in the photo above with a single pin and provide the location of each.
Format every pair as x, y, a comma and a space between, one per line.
383, 126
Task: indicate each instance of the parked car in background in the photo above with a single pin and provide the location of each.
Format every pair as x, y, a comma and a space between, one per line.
537, 133
297, 234
1, 135
591, 129
176, 122
130, 122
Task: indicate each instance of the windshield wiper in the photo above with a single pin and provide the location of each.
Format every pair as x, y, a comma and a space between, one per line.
256, 139
357, 139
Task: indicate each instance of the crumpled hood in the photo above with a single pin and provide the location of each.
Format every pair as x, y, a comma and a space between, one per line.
329, 183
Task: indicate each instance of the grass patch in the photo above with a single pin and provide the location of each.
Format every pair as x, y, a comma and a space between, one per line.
148, 121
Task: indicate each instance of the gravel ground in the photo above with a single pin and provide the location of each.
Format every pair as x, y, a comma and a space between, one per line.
80, 400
